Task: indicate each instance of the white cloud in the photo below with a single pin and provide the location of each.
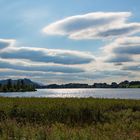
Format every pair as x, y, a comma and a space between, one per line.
132, 68
42, 67
124, 49
58, 56
53, 77
97, 25
42, 59
6, 43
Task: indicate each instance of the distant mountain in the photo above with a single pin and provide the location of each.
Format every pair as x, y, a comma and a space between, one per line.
20, 85
25, 81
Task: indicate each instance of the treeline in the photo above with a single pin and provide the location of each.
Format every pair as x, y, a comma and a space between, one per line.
16, 86
124, 84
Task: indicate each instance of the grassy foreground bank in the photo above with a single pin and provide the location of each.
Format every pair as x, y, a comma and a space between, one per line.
69, 119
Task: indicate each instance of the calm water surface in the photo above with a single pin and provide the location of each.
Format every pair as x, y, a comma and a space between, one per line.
96, 93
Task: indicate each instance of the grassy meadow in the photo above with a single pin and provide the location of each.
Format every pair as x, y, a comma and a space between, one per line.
69, 119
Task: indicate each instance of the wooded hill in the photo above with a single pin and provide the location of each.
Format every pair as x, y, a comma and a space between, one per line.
20, 85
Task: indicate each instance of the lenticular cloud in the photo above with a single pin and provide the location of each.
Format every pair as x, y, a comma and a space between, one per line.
97, 25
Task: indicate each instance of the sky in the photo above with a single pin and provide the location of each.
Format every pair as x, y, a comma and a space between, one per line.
59, 41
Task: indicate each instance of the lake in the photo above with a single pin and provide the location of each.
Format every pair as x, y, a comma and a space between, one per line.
131, 93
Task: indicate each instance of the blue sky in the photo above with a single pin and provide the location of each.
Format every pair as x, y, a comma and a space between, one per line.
30, 24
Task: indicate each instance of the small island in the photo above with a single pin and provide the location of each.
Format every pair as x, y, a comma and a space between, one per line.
21, 85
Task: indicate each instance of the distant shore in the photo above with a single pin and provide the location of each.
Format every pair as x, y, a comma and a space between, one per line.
24, 85
124, 84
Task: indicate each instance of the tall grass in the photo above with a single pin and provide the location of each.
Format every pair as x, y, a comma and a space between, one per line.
69, 119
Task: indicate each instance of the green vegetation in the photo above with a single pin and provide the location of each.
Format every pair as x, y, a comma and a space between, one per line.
18, 86
69, 119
